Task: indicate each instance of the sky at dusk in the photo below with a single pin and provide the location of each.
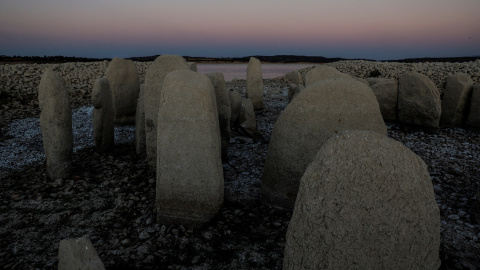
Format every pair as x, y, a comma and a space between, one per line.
372, 29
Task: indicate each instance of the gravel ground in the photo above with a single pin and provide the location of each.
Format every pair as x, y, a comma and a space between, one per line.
110, 199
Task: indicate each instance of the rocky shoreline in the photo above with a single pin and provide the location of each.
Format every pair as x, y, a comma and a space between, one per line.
110, 198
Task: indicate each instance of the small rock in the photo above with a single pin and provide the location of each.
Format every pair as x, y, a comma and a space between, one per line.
144, 235
125, 242
453, 217
207, 235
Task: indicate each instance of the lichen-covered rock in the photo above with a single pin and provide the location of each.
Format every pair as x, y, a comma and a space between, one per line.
455, 99
140, 123
367, 202
418, 100
255, 83
236, 105
223, 109
103, 116
78, 254
122, 74
323, 109
189, 187
154, 76
323, 72
56, 124
386, 91
473, 119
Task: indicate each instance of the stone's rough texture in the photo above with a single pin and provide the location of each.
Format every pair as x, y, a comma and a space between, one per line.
154, 76
223, 109
189, 168
122, 74
386, 91
192, 66
365, 201
103, 116
473, 118
236, 105
78, 254
247, 115
455, 99
140, 123
322, 110
323, 73
294, 90
418, 100
56, 124
255, 83
476, 208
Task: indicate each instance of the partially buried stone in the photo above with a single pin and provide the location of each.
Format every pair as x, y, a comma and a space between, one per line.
78, 254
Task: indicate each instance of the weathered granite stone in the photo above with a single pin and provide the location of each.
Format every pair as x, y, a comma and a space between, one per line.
122, 74
236, 106
78, 254
367, 202
386, 91
189, 186
323, 109
103, 116
56, 124
192, 66
473, 119
455, 99
247, 114
294, 90
140, 123
255, 83
154, 76
323, 72
418, 100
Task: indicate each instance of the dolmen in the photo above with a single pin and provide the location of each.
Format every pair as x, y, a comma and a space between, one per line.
103, 116
365, 202
255, 83
56, 124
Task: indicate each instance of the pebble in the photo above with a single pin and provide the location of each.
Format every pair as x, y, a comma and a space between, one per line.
144, 235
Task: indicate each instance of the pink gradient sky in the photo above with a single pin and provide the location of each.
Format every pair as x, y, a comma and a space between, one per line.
371, 29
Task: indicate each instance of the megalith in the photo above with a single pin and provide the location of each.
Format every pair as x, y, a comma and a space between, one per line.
386, 91
56, 124
236, 106
78, 254
189, 188
122, 74
366, 201
247, 115
255, 83
140, 123
103, 116
154, 76
192, 66
323, 72
455, 99
473, 119
418, 100
223, 109
322, 110
294, 90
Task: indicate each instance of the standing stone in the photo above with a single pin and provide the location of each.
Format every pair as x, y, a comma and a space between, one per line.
122, 74
473, 119
255, 83
322, 110
476, 207
247, 115
294, 90
386, 91
140, 123
154, 76
103, 116
56, 124
323, 72
189, 186
365, 202
418, 100
223, 109
78, 254
192, 66
236, 106
295, 77
455, 99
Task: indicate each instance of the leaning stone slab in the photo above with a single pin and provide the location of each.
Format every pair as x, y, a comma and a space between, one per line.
455, 99
322, 110
78, 254
236, 106
386, 91
473, 119
255, 83
140, 123
367, 202
418, 100
189, 186
103, 116
323, 72
56, 124
154, 76
122, 74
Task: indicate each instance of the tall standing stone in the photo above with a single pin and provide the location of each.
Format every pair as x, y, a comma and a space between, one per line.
455, 99
154, 76
140, 123
189, 186
418, 100
78, 254
386, 91
122, 74
322, 110
473, 119
255, 83
103, 116
56, 124
223, 109
365, 202
236, 106
323, 72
